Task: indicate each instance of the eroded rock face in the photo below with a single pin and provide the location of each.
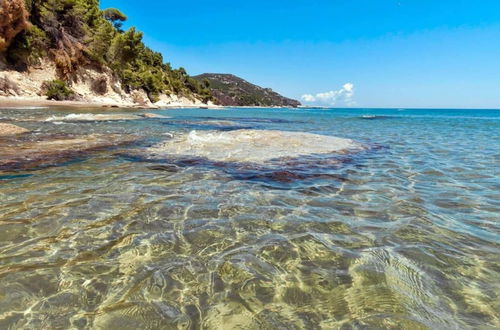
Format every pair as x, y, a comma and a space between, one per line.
9, 129
247, 145
13, 20
22, 154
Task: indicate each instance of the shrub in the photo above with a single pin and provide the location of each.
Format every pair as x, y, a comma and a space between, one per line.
58, 90
27, 48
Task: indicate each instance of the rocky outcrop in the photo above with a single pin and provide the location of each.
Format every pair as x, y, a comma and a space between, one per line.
8, 87
21, 154
9, 129
13, 20
248, 145
95, 86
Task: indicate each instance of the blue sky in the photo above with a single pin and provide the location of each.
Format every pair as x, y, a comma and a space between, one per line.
363, 53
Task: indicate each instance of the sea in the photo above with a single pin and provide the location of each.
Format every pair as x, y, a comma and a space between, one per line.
401, 233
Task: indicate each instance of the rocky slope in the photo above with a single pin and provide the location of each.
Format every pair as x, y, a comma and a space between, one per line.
230, 90
26, 87
74, 51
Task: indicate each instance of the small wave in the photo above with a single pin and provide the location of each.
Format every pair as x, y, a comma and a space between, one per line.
373, 117
264, 120
219, 125
73, 117
251, 120
24, 108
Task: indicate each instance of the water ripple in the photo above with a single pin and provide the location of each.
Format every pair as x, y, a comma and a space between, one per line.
401, 235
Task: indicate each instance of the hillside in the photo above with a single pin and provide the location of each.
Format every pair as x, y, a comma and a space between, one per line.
71, 49
230, 90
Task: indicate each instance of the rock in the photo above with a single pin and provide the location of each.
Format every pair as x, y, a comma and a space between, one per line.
153, 115
22, 154
140, 98
8, 86
9, 129
248, 145
100, 85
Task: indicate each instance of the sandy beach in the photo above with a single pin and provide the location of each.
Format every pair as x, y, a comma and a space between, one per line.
28, 102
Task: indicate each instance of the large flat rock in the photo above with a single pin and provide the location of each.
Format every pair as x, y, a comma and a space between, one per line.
9, 129
247, 145
22, 153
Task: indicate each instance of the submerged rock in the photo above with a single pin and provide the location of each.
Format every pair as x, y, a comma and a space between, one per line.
22, 154
247, 145
9, 129
153, 115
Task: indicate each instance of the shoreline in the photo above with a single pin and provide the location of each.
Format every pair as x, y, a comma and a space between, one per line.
21, 102
17, 102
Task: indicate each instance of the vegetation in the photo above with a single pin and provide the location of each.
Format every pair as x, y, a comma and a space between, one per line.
13, 19
116, 17
230, 90
77, 33
57, 90
28, 48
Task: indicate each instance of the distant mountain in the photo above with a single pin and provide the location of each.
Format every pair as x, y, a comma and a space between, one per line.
230, 90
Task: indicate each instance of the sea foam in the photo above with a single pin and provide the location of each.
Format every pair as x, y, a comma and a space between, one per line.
76, 117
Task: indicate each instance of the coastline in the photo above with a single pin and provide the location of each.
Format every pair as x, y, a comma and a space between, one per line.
21, 102
21, 89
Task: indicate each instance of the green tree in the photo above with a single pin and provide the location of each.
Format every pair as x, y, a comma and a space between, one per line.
115, 16
76, 32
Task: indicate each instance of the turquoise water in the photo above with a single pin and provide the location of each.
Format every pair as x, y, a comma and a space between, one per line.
402, 235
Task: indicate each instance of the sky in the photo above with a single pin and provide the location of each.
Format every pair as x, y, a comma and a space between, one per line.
339, 53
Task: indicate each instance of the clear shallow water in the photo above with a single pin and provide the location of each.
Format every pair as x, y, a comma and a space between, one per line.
402, 235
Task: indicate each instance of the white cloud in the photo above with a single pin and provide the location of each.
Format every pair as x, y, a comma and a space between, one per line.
308, 98
343, 96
